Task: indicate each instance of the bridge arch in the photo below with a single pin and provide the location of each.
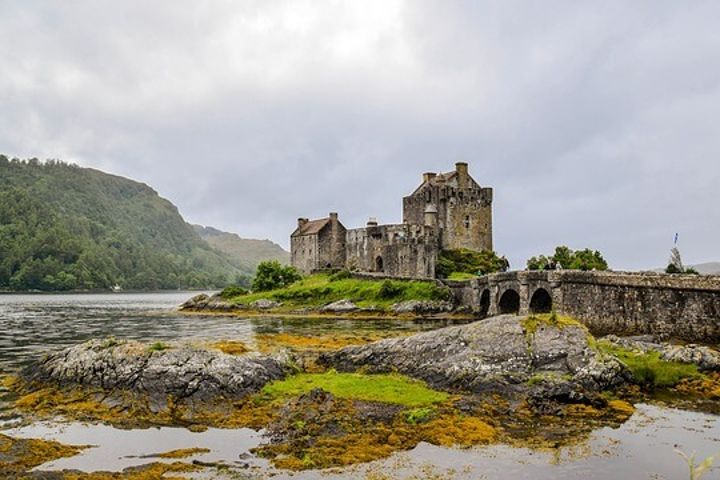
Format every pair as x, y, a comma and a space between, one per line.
509, 302
541, 301
484, 307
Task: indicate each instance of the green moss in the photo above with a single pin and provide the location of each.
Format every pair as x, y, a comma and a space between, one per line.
158, 347
649, 368
386, 388
419, 415
531, 323
321, 289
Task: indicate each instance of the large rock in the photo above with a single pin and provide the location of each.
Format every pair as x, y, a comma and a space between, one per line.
495, 354
706, 358
422, 307
341, 306
183, 371
265, 304
204, 302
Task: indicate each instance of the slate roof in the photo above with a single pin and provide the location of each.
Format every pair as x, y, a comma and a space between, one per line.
312, 227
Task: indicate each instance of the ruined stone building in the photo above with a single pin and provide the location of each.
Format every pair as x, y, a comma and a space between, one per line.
447, 211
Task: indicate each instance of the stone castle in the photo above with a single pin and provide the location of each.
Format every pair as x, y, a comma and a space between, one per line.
447, 211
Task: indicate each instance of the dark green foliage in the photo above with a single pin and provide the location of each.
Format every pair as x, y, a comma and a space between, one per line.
469, 261
390, 289
233, 291
672, 268
272, 275
568, 259
340, 275
63, 227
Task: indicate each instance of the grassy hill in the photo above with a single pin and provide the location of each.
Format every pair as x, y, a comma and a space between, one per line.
245, 253
64, 227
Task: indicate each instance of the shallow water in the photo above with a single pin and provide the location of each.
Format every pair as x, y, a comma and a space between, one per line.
31, 325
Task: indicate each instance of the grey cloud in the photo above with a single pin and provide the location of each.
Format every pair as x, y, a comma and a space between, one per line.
594, 123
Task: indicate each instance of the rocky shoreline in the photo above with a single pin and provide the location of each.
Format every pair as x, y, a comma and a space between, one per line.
520, 380
216, 304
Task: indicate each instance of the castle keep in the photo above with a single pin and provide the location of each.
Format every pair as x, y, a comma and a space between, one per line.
447, 211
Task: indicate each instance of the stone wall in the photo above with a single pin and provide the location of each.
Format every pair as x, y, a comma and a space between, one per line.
304, 252
681, 306
395, 250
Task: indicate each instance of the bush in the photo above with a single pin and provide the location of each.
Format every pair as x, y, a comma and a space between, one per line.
469, 261
390, 289
272, 275
233, 291
568, 259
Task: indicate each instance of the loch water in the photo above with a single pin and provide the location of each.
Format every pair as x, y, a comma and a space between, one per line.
30, 325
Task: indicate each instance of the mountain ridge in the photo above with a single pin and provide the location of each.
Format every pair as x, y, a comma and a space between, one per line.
65, 227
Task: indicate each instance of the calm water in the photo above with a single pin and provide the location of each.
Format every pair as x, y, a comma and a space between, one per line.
30, 325
34, 324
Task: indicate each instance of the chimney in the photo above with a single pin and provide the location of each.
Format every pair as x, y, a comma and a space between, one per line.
302, 222
462, 174
372, 222
333, 216
428, 176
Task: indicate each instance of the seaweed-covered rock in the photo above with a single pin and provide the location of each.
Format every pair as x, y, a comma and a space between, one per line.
182, 371
497, 354
213, 303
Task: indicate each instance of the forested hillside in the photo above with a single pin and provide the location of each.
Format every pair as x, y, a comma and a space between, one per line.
64, 227
245, 253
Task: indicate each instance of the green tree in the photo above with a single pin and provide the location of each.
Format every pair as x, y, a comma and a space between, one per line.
271, 275
566, 258
469, 261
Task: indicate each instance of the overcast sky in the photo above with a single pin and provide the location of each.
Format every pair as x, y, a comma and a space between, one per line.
597, 123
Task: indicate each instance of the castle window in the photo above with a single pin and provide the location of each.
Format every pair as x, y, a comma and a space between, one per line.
467, 221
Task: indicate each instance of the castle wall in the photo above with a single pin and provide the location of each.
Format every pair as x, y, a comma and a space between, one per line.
304, 253
403, 250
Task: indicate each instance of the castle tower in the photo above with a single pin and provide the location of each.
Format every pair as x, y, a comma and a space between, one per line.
464, 208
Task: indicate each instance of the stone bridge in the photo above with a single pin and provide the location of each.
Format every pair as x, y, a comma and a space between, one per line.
686, 307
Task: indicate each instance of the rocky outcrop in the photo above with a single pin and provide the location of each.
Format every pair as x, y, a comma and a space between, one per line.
182, 371
497, 354
706, 358
213, 303
264, 304
422, 307
341, 306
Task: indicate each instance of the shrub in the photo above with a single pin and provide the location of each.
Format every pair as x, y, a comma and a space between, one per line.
341, 275
272, 275
390, 289
233, 291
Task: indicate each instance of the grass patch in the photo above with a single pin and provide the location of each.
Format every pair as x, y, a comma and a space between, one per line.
386, 388
461, 276
649, 368
321, 289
